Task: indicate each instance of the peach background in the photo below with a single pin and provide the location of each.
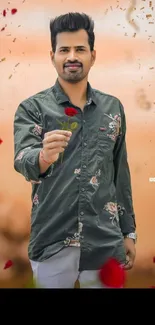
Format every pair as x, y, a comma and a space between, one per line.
124, 65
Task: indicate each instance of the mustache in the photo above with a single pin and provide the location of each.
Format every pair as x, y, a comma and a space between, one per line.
67, 64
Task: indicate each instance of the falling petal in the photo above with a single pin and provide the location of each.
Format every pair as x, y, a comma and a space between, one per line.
8, 264
13, 11
4, 13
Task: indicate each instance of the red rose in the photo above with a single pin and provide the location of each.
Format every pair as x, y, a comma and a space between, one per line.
8, 264
112, 274
70, 111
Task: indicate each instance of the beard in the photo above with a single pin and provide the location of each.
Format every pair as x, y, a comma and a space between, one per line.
73, 76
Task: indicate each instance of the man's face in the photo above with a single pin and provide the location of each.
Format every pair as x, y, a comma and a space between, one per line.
73, 57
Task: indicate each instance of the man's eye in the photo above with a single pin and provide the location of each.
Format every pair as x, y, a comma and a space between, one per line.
64, 50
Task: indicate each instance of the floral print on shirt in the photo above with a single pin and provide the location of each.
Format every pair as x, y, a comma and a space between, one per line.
36, 199
94, 180
37, 130
74, 241
120, 209
114, 126
35, 182
77, 171
20, 155
111, 207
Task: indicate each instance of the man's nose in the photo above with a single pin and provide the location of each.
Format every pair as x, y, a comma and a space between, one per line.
72, 56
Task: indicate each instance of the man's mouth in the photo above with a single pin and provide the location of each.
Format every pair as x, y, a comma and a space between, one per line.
73, 66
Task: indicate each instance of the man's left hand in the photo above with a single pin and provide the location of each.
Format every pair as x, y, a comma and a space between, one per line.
130, 253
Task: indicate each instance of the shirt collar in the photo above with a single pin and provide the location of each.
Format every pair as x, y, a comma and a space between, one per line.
61, 97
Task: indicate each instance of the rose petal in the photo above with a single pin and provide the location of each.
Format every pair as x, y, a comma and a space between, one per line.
13, 11
8, 264
112, 274
4, 13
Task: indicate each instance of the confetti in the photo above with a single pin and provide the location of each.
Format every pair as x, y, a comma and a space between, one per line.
10, 76
3, 59
128, 15
1, 141
142, 8
17, 64
14, 40
148, 16
13, 11
8, 264
151, 68
150, 3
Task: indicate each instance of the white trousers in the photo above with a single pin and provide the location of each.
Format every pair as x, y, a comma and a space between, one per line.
61, 271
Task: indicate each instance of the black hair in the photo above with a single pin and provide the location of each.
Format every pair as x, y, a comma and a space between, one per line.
72, 22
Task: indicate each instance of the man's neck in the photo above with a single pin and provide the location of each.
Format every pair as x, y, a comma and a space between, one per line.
77, 93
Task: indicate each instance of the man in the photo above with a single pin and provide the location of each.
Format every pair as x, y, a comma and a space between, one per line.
70, 144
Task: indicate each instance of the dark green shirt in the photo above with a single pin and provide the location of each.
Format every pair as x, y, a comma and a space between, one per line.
87, 195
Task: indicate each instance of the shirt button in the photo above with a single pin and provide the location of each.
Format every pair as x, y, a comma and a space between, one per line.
81, 213
84, 121
82, 189
84, 166
85, 144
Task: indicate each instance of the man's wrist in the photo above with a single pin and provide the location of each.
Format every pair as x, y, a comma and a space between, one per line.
132, 235
43, 159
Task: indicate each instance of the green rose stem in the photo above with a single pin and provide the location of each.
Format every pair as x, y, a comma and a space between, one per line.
69, 127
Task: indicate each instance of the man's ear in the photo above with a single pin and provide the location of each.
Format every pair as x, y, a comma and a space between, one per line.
52, 57
93, 57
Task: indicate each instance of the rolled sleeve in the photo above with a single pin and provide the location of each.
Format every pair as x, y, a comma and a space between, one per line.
28, 135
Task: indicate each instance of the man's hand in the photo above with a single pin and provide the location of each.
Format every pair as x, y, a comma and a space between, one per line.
130, 253
54, 143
